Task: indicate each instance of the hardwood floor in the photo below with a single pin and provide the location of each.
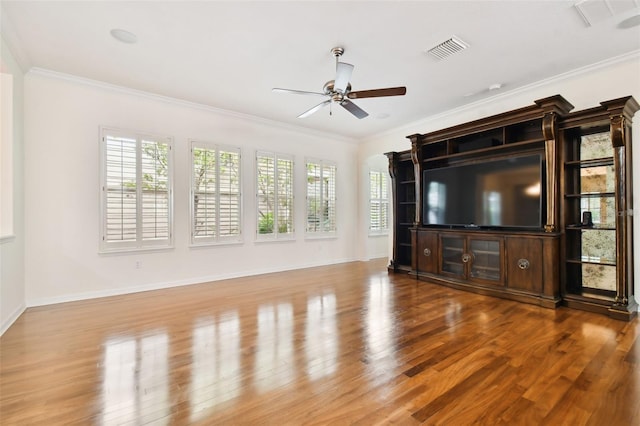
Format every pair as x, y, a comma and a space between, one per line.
344, 344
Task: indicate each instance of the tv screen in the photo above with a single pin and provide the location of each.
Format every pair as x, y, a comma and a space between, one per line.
495, 193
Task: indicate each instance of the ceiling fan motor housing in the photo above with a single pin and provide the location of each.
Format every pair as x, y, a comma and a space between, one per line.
329, 90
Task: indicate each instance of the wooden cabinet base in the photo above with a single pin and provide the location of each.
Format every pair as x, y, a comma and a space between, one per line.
497, 263
604, 307
503, 293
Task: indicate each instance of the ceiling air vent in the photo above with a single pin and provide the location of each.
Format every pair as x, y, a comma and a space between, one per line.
447, 48
595, 11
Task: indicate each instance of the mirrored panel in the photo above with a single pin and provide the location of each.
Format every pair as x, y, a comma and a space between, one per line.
597, 179
602, 277
602, 209
596, 145
599, 246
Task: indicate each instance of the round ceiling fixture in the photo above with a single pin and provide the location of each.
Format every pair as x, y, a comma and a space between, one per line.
124, 36
634, 21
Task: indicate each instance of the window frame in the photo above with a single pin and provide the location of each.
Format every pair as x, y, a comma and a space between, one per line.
276, 235
322, 233
382, 201
140, 243
199, 241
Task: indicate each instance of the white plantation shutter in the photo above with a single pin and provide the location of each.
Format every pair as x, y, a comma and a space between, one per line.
314, 198
121, 189
378, 202
285, 201
274, 193
229, 190
321, 197
329, 197
204, 199
266, 193
136, 186
215, 193
155, 192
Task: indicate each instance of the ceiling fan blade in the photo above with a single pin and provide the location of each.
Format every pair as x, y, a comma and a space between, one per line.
353, 109
315, 108
297, 92
376, 93
343, 75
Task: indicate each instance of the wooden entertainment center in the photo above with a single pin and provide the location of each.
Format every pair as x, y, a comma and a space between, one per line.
580, 254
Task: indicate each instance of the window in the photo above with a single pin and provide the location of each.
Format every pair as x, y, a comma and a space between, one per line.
274, 194
321, 197
137, 198
215, 194
378, 203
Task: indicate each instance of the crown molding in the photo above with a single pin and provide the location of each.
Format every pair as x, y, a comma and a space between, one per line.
410, 127
188, 104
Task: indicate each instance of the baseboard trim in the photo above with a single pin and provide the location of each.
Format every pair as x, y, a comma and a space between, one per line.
169, 284
12, 318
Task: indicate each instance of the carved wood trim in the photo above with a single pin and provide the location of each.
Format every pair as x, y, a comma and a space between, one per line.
549, 131
618, 131
393, 172
415, 158
622, 287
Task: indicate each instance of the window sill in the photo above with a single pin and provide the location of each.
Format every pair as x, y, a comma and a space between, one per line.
379, 234
129, 250
321, 237
216, 244
275, 240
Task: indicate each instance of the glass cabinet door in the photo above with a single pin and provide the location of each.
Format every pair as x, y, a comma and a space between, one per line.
452, 254
485, 262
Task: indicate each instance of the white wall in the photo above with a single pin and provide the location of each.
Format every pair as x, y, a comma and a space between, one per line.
12, 259
584, 88
63, 116
374, 246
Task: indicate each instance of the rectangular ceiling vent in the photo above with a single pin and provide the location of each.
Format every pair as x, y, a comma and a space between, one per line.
447, 48
596, 11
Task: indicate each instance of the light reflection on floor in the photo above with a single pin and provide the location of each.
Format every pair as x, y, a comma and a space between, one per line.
215, 373
321, 336
273, 365
135, 387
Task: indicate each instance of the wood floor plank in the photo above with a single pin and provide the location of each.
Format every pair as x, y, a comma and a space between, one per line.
342, 344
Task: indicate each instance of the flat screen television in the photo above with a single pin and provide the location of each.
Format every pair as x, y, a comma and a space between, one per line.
500, 193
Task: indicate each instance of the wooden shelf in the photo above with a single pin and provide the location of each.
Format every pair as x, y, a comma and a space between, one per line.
590, 228
595, 162
591, 195
487, 150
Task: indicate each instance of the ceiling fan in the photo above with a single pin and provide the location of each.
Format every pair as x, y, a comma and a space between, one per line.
339, 90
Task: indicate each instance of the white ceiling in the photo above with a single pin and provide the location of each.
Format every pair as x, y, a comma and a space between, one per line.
229, 54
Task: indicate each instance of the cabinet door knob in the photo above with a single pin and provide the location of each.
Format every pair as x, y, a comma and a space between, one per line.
466, 258
523, 264
426, 252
